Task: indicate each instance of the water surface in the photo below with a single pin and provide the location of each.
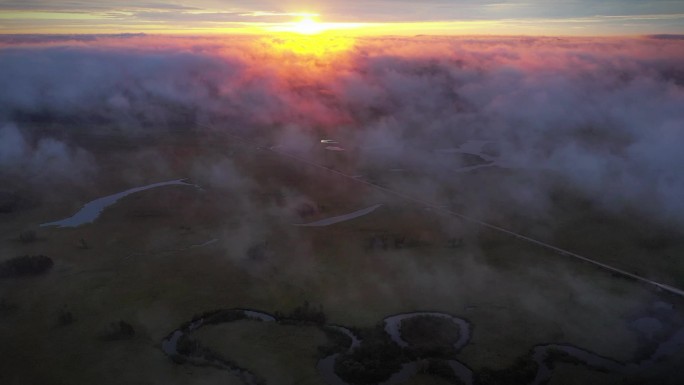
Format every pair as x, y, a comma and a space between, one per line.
92, 210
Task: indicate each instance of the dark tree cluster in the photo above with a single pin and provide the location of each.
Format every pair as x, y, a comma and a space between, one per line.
391, 242
557, 355
65, 318
440, 368
28, 236
118, 331
304, 313
83, 245
258, 252
10, 202
468, 160
650, 342
337, 342
221, 316
307, 210
431, 344
7, 308
25, 266
190, 348
523, 371
455, 242
657, 242
554, 356
430, 336
373, 362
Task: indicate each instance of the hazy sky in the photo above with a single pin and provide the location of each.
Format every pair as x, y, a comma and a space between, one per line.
569, 17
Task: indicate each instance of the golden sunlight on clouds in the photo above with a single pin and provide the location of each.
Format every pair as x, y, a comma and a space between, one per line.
309, 37
309, 24
316, 45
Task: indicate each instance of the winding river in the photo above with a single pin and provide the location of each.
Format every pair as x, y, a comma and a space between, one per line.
92, 210
341, 218
170, 345
541, 354
393, 328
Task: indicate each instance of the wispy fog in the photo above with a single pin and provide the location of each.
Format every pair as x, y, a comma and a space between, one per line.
602, 118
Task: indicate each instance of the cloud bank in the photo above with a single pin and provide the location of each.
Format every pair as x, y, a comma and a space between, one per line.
602, 118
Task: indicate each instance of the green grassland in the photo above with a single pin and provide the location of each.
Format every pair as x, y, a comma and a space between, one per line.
142, 265
280, 354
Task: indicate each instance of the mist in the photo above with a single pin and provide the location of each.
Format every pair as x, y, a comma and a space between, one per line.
596, 116
480, 167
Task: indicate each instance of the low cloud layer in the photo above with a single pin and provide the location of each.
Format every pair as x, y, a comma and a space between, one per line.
42, 160
600, 117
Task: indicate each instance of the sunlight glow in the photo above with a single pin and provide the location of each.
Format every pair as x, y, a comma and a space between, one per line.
309, 37
308, 26
311, 45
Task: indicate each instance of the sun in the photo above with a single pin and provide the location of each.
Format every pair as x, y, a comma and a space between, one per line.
306, 36
308, 26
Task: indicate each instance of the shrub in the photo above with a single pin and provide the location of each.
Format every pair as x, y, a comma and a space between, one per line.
373, 362
118, 331
65, 318
523, 371
28, 236
7, 308
25, 266
305, 314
